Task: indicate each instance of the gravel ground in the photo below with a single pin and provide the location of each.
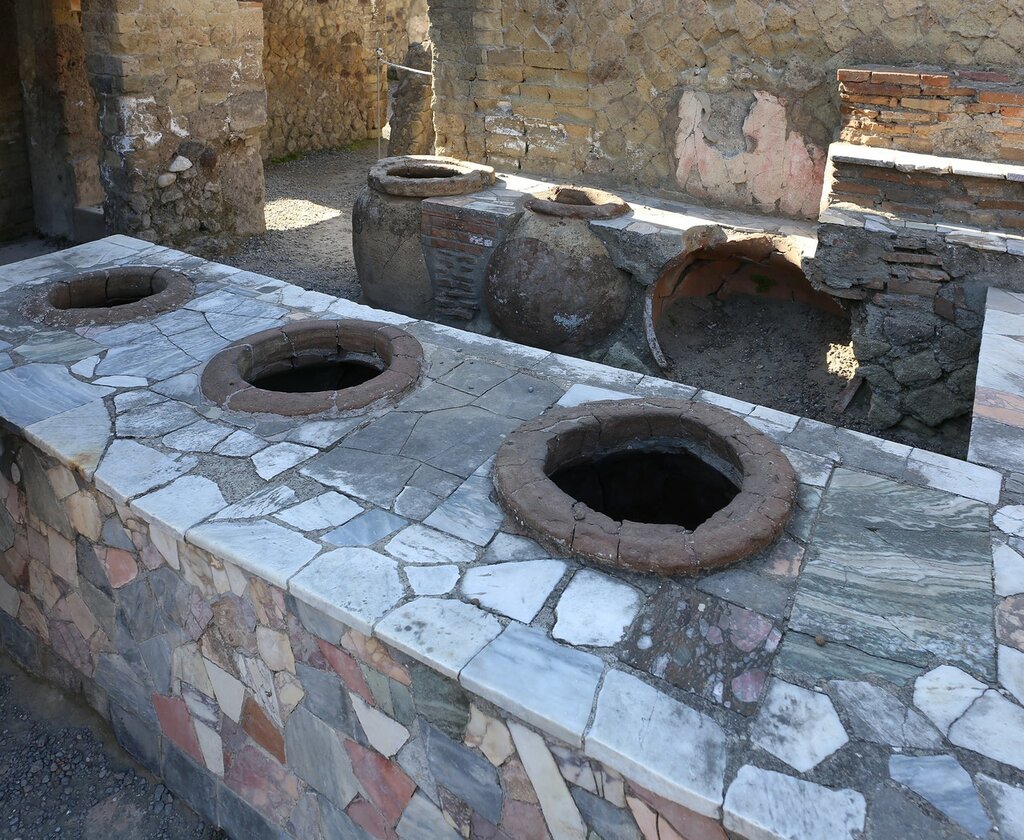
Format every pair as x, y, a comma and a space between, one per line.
63, 776
309, 222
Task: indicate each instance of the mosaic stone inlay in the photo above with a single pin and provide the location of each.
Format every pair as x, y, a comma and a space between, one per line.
700, 643
330, 628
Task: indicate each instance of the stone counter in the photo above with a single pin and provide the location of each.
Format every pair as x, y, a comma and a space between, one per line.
327, 628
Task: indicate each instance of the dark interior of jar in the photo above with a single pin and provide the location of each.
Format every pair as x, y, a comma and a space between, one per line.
423, 171
567, 195
654, 485
105, 293
315, 373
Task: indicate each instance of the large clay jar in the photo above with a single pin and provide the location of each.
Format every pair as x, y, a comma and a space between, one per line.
551, 283
386, 226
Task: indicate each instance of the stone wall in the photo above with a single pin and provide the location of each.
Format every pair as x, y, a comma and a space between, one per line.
731, 103
318, 58
182, 104
15, 183
269, 717
917, 303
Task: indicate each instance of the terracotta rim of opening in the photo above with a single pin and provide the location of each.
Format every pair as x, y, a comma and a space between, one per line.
750, 522
597, 204
54, 303
226, 377
386, 176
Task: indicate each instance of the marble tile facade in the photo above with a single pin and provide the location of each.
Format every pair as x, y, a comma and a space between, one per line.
359, 644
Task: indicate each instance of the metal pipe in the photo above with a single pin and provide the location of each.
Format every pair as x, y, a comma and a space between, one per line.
403, 67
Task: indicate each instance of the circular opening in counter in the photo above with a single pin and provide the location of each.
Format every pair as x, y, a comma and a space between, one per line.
427, 176
653, 485
571, 202
314, 367
111, 296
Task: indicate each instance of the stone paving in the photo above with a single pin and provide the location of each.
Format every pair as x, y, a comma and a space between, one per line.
329, 626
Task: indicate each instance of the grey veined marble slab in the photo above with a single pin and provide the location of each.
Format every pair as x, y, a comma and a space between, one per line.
900, 572
31, 393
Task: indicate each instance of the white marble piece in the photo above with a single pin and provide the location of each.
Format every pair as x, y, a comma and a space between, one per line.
556, 803
422, 545
130, 469
764, 805
667, 747
328, 510
356, 586
122, 381
85, 367
229, 691
579, 394
1010, 520
739, 407
546, 684
810, 469
595, 610
211, 746
945, 784
154, 420
264, 502
385, 735
275, 459
443, 634
1009, 570
489, 734
432, 580
262, 548
181, 504
945, 693
322, 433
1011, 671
517, 589
35, 392
240, 444
77, 437
505, 547
275, 649
954, 476
994, 727
469, 512
201, 436
1006, 804
150, 357
799, 726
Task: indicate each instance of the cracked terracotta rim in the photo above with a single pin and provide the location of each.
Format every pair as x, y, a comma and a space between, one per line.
79, 301
425, 176
563, 436
571, 202
227, 377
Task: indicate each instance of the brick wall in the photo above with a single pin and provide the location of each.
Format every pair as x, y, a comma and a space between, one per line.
994, 203
966, 114
457, 245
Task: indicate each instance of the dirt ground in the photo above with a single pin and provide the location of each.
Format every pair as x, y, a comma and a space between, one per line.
309, 222
784, 355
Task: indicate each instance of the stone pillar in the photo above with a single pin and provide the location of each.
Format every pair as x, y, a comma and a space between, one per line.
60, 114
412, 126
15, 185
182, 105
